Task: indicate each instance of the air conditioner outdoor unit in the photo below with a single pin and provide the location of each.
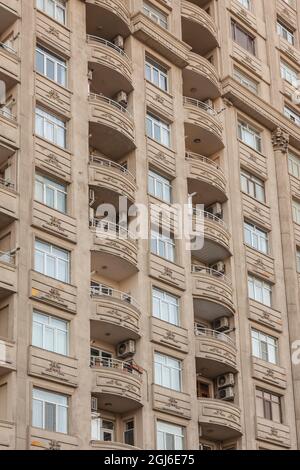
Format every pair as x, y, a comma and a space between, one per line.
126, 349
94, 404
221, 324
119, 41
226, 380
122, 98
220, 267
226, 394
216, 209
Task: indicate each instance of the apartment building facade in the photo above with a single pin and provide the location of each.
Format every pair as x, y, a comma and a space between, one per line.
109, 342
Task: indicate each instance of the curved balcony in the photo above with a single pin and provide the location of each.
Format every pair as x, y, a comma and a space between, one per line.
108, 446
212, 294
198, 28
219, 420
112, 16
215, 352
112, 68
117, 385
206, 178
115, 315
202, 127
114, 252
216, 245
200, 78
111, 177
111, 127
8, 274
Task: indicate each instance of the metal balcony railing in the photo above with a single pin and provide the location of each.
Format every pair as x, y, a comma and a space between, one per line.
200, 158
99, 291
7, 114
100, 161
6, 184
8, 257
115, 104
209, 216
197, 269
200, 105
115, 364
91, 38
8, 48
200, 331
105, 227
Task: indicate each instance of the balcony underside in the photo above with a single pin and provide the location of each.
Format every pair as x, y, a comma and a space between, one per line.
8, 17
218, 432
108, 18
207, 193
212, 252
199, 86
202, 140
109, 141
108, 80
211, 309
111, 333
198, 36
112, 266
116, 403
212, 368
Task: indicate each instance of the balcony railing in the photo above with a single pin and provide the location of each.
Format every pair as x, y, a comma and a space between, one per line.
6, 184
109, 101
209, 216
104, 162
7, 114
208, 333
196, 157
8, 48
106, 43
105, 227
117, 365
99, 291
197, 269
7, 257
200, 105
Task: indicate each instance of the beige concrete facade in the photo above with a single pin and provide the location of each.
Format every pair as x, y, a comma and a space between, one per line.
230, 118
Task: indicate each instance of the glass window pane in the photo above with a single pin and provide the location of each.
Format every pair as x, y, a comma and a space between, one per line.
37, 413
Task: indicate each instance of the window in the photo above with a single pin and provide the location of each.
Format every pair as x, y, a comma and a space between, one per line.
294, 165
156, 74
49, 411
253, 186
204, 389
298, 259
51, 193
50, 127
242, 38
100, 358
292, 115
52, 261
156, 15
129, 432
158, 130
264, 347
246, 4
159, 187
50, 333
163, 246
268, 406
286, 33
51, 66
249, 136
54, 8
102, 429
256, 237
289, 74
165, 306
260, 291
296, 211
169, 436
245, 80
167, 372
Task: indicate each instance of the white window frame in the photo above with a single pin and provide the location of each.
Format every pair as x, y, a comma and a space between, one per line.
165, 306
167, 431
51, 122
163, 246
156, 180
292, 115
296, 211
264, 347
48, 326
47, 256
57, 62
158, 130
58, 407
99, 430
258, 238
298, 260
245, 80
294, 165
246, 4
248, 133
156, 74
51, 185
289, 74
285, 33
168, 372
260, 291
250, 185
58, 5
156, 15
